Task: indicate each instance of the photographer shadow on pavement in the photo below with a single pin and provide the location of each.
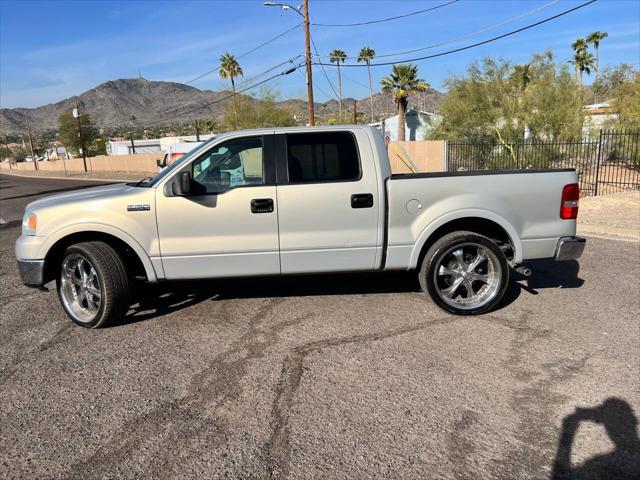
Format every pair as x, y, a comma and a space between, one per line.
620, 423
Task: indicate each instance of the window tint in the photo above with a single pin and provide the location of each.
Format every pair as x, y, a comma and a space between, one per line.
322, 157
230, 164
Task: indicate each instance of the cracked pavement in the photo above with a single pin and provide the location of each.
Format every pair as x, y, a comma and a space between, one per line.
337, 376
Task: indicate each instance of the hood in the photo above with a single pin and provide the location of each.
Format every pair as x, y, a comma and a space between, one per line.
83, 195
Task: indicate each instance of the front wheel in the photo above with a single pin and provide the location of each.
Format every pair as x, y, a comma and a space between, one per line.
465, 273
93, 285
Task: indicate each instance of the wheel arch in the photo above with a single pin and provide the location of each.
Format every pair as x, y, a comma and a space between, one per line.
478, 221
131, 252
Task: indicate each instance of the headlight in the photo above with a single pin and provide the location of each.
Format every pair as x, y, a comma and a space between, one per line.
29, 223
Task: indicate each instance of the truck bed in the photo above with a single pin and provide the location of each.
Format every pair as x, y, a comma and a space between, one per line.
525, 203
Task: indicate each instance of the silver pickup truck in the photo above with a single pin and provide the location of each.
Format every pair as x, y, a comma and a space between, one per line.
298, 201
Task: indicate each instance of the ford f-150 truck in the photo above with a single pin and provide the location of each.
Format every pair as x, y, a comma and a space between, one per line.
298, 200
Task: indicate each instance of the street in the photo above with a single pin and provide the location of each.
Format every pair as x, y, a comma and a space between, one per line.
335, 376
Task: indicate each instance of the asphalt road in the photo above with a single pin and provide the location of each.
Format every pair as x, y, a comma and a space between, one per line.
354, 376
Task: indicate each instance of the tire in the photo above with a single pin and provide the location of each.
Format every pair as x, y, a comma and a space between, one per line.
93, 285
453, 267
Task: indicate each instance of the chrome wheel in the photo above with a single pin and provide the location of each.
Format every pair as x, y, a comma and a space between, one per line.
467, 276
80, 288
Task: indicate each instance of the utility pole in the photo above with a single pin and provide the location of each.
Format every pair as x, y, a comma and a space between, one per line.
355, 112
307, 41
197, 131
33, 157
76, 113
6, 146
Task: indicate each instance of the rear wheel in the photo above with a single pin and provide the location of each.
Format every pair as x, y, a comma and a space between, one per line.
465, 273
93, 285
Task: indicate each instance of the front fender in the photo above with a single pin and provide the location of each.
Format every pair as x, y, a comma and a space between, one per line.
101, 228
466, 213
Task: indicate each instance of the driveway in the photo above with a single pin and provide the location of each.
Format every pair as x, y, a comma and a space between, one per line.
352, 376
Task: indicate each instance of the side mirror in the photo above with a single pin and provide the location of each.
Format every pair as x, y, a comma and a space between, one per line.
159, 163
182, 186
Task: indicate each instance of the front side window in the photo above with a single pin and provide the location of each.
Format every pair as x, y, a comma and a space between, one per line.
322, 157
231, 164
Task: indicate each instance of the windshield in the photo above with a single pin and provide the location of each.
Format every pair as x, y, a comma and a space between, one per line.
176, 164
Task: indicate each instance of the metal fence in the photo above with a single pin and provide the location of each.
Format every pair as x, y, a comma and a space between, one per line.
607, 163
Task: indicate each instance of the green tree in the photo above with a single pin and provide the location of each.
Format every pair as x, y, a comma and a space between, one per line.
610, 78
338, 57
258, 111
403, 82
627, 103
230, 69
490, 102
366, 55
68, 131
594, 39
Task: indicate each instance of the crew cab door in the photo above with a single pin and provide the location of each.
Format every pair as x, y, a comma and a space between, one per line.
328, 202
228, 225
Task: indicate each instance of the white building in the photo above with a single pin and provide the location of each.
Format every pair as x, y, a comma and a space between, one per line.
417, 123
152, 145
596, 117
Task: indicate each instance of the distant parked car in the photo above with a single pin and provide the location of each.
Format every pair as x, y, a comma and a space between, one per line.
176, 152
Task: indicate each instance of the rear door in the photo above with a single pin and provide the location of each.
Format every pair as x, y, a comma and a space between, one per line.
328, 203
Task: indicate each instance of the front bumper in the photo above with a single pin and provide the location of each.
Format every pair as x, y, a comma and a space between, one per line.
570, 248
32, 272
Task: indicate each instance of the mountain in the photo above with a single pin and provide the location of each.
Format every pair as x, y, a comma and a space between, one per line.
113, 103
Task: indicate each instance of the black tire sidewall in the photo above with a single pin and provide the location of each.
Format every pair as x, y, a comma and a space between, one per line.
433, 256
79, 248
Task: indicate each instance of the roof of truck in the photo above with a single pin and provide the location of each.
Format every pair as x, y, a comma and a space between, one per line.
298, 129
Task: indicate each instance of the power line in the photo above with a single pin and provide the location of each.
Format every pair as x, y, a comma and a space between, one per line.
323, 70
246, 53
241, 84
208, 104
268, 41
383, 19
467, 47
468, 35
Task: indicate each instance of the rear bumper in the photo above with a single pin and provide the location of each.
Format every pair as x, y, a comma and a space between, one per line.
32, 272
570, 248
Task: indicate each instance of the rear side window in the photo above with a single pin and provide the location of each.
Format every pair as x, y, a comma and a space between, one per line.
322, 157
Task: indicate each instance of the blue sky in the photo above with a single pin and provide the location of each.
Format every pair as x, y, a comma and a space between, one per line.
50, 50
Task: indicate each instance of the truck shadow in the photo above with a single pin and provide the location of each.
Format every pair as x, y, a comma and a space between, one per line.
546, 274
156, 300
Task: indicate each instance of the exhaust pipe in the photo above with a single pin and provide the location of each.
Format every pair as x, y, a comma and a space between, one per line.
524, 270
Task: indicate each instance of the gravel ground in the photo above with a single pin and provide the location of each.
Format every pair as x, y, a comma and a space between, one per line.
616, 214
353, 376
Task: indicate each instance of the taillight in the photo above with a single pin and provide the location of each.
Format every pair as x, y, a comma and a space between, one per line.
569, 203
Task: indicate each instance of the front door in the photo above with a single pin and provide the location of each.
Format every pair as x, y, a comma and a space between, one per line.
229, 226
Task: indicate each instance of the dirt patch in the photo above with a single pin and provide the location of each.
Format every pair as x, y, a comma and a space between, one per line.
616, 214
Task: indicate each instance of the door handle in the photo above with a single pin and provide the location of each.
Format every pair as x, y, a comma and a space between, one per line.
362, 200
262, 205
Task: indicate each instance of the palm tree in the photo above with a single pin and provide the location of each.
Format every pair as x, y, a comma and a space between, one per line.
522, 76
403, 82
594, 39
337, 57
584, 63
230, 68
579, 46
366, 55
